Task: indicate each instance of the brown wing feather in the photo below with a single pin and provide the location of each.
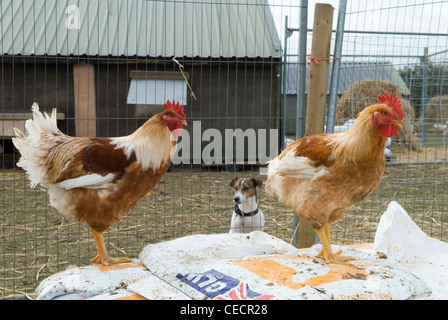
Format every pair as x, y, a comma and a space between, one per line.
101, 157
97, 156
315, 147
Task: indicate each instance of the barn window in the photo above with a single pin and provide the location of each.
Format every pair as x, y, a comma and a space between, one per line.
149, 90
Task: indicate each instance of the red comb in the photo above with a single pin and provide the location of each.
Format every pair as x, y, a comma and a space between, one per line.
392, 102
176, 107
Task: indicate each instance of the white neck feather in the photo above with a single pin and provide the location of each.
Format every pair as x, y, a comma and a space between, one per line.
150, 150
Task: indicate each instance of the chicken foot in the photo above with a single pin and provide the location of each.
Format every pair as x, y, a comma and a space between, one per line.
102, 255
326, 253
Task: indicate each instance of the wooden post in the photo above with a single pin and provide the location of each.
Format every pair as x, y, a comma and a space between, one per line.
84, 88
317, 94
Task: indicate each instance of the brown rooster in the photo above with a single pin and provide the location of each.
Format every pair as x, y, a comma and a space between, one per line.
321, 176
97, 180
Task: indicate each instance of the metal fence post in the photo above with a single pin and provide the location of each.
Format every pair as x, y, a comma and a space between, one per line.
424, 97
301, 70
301, 87
336, 67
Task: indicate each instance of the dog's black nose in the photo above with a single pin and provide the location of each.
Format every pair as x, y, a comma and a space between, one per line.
236, 199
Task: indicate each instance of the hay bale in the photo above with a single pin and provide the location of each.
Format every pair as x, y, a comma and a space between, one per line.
364, 93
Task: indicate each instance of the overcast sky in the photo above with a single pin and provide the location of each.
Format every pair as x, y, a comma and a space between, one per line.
413, 16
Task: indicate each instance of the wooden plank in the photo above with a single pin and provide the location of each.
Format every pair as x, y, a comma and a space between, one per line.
8, 121
25, 116
158, 75
85, 115
6, 127
317, 94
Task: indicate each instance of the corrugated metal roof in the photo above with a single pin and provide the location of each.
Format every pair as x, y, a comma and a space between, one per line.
182, 28
349, 73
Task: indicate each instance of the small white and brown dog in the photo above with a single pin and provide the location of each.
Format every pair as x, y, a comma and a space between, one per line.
247, 215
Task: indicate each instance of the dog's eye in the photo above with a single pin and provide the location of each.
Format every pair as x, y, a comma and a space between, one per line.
245, 188
236, 188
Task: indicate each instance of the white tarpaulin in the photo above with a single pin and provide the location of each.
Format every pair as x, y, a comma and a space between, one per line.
405, 244
89, 281
260, 266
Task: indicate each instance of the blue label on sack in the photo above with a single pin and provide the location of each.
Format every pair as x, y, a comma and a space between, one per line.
215, 284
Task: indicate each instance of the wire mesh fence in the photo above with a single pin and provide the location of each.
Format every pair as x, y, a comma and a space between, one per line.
107, 66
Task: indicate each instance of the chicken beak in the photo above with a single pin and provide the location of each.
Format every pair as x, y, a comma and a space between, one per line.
183, 122
398, 124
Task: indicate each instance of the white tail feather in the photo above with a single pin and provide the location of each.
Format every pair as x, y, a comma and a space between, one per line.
29, 145
42, 122
91, 181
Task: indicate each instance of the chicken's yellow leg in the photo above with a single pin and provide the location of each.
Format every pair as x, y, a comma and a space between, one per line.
325, 252
102, 255
327, 236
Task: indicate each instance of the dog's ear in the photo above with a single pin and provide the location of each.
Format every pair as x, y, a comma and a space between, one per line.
232, 183
257, 182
